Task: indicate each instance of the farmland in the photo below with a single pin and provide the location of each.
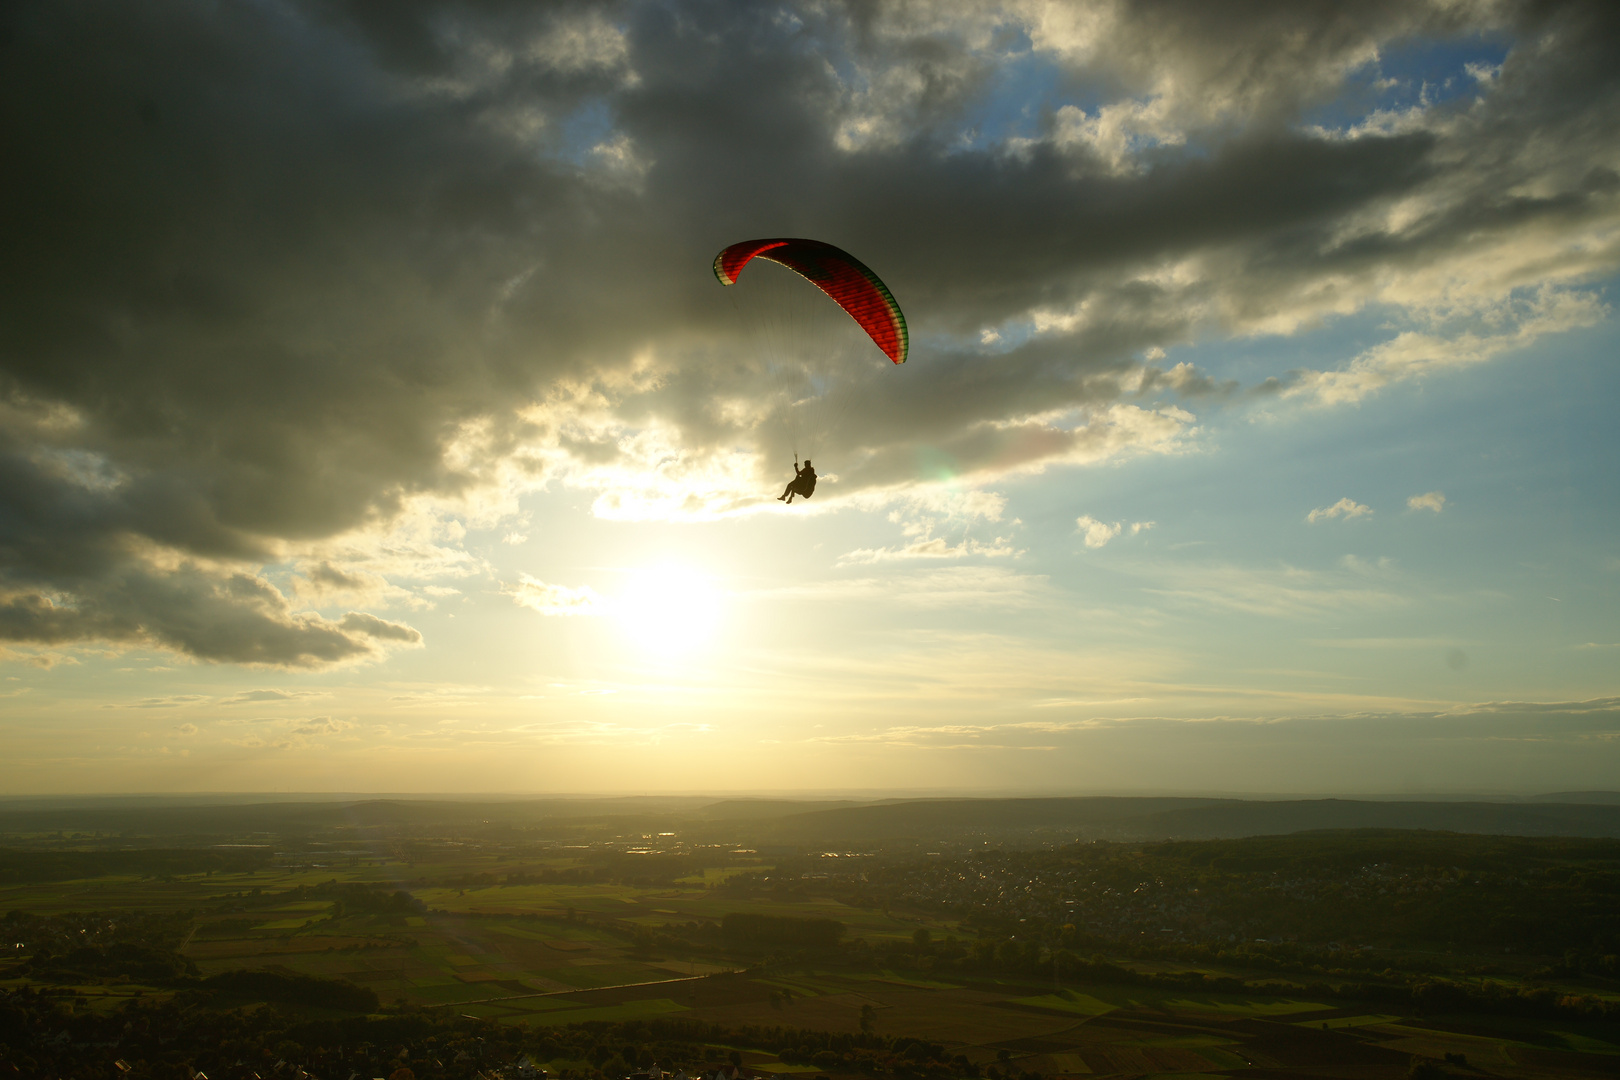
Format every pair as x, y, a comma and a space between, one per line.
976, 958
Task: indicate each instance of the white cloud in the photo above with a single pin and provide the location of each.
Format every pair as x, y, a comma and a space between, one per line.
1414, 354
618, 161
1379, 567
1118, 133
935, 548
321, 725
43, 659
1098, 533
297, 733
650, 470
555, 599
942, 587
581, 43
1432, 500
1346, 508
1284, 592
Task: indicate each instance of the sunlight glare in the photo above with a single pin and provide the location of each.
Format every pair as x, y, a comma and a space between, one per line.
670, 609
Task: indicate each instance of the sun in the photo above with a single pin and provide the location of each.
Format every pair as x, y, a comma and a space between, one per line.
670, 609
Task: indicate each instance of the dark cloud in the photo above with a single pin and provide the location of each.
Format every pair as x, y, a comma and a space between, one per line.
227, 617
326, 574
276, 272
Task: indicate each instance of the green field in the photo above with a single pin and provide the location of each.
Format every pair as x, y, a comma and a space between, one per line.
1068, 1001
512, 954
1248, 1006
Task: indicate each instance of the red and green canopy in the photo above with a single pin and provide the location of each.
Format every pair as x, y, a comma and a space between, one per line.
835, 272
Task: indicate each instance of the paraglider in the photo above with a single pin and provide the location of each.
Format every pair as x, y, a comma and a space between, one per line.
803, 484
835, 272
848, 282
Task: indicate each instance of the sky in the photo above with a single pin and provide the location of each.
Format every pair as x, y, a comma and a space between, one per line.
371, 418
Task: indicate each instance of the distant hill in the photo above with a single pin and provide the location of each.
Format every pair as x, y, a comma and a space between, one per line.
1607, 798
1273, 818
201, 819
755, 809
792, 823
955, 819
1003, 820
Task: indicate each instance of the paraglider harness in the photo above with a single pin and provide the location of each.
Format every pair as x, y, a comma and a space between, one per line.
803, 485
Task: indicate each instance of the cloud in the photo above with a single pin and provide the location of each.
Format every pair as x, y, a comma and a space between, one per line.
1401, 644
1288, 748
1432, 500
1413, 354
324, 582
292, 734
44, 660
555, 599
369, 626
934, 548
228, 617
1346, 508
1284, 591
926, 511
186, 729
1184, 379
945, 587
321, 725
169, 701
342, 268
252, 696
1098, 533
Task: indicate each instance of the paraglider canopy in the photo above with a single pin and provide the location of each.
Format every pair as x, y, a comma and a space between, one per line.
835, 272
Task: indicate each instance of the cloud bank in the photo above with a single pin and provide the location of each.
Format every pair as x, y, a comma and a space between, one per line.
291, 278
